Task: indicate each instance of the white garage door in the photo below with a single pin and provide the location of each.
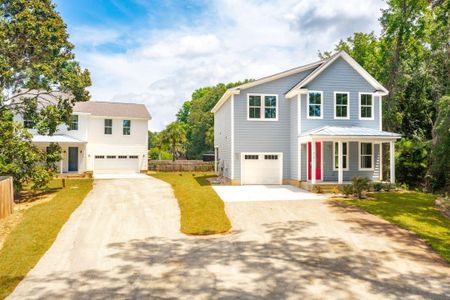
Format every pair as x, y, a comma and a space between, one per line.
262, 168
104, 164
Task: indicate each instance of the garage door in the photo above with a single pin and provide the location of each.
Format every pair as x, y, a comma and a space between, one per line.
116, 164
261, 168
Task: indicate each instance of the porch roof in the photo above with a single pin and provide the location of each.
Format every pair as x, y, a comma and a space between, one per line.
56, 138
336, 132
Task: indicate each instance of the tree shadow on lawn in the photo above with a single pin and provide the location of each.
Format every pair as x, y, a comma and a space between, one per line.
286, 264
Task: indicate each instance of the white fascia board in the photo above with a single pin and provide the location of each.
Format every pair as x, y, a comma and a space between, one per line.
224, 98
263, 80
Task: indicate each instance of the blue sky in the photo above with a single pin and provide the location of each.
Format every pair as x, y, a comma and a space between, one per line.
158, 52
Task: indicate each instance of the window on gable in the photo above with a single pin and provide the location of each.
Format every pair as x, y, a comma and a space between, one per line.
315, 105
270, 107
254, 107
108, 126
366, 106
73, 122
344, 156
341, 105
262, 107
365, 156
126, 127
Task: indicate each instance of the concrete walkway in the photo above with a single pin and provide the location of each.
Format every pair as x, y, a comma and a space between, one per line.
123, 243
240, 193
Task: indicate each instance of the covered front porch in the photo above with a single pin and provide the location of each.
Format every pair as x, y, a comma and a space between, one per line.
73, 152
334, 155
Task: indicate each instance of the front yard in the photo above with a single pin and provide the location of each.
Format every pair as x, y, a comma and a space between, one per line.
413, 211
202, 210
30, 231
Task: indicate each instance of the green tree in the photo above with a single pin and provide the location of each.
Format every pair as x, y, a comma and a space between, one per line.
175, 136
440, 155
38, 77
22, 160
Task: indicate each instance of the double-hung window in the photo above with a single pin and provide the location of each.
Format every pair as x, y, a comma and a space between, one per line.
73, 123
365, 106
108, 126
28, 122
341, 104
344, 156
262, 107
126, 127
365, 156
315, 105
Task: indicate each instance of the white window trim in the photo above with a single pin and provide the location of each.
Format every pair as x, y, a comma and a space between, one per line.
263, 102
104, 127
348, 106
123, 127
321, 105
372, 106
346, 158
359, 156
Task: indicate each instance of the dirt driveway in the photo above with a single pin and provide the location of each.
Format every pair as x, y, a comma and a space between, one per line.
123, 243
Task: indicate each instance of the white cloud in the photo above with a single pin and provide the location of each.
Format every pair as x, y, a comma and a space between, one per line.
246, 39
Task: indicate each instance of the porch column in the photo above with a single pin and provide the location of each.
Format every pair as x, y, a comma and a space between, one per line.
313, 162
381, 161
340, 163
61, 166
215, 160
392, 160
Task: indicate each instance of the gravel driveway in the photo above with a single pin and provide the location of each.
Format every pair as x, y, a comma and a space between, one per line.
123, 243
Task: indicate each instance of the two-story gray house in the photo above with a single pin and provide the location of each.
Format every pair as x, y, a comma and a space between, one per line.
319, 123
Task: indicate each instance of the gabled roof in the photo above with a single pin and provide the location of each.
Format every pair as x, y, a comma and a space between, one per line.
353, 63
237, 89
112, 109
350, 131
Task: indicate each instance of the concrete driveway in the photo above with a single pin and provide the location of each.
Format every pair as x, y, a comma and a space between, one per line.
247, 193
123, 243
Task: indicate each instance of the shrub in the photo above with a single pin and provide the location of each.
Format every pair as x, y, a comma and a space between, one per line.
347, 190
377, 186
387, 187
156, 154
360, 184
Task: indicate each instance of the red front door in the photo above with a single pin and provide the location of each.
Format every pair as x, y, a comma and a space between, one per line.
318, 161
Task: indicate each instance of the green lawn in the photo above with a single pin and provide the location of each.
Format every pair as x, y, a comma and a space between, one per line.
415, 212
202, 210
31, 238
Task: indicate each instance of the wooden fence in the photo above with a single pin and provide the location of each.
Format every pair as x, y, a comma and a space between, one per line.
6, 196
180, 165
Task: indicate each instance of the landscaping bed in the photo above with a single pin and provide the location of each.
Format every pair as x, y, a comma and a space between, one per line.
202, 210
33, 227
413, 211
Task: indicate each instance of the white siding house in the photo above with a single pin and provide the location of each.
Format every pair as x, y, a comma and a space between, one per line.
103, 137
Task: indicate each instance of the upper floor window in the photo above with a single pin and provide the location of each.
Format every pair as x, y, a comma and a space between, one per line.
73, 122
341, 101
108, 126
28, 121
262, 107
366, 106
315, 105
126, 127
344, 156
365, 156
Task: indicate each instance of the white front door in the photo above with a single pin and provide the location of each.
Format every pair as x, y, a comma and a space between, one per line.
104, 164
261, 168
